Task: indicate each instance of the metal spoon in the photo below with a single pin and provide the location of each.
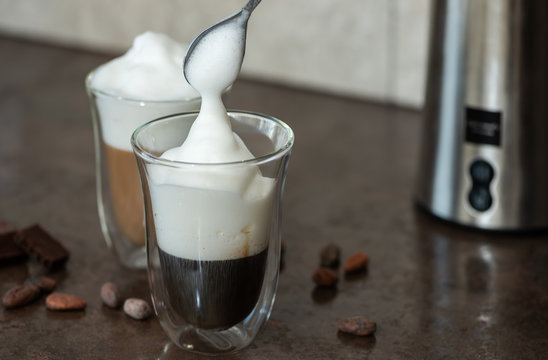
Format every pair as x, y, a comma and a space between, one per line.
240, 17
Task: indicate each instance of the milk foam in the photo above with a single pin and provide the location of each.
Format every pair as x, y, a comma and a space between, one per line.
212, 212
143, 84
149, 70
206, 224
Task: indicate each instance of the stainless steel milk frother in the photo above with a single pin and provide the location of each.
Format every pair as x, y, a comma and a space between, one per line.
484, 149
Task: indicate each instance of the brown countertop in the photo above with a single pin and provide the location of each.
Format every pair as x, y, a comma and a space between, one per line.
435, 291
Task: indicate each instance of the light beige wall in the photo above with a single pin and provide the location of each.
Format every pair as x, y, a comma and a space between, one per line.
372, 49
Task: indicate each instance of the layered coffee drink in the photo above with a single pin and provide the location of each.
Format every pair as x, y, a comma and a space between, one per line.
143, 84
212, 206
125, 193
213, 236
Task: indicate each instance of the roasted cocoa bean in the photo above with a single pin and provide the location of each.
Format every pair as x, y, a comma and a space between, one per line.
357, 325
330, 256
20, 295
137, 309
356, 262
325, 277
46, 284
63, 302
110, 295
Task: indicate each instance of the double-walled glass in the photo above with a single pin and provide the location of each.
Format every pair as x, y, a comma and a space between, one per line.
119, 196
213, 231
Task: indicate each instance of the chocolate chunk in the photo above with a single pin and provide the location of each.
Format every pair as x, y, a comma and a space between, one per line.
44, 248
10, 252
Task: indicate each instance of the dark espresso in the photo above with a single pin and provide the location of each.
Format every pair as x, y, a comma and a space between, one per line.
213, 294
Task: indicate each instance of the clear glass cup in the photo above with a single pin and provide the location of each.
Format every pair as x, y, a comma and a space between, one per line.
119, 195
213, 232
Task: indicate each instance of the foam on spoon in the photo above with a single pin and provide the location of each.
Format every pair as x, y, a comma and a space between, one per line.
212, 212
216, 63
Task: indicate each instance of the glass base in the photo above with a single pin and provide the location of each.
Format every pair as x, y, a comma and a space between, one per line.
213, 342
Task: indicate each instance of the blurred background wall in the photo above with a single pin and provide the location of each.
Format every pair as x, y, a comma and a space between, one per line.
368, 49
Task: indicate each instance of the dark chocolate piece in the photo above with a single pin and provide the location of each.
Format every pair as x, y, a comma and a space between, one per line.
10, 252
41, 246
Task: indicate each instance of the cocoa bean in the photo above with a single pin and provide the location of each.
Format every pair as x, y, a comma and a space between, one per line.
110, 295
137, 309
356, 262
325, 277
20, 295
63, 302
357, 325
46, 284
330, 256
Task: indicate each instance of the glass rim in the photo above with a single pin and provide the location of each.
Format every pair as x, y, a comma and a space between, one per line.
277, 153
108, 94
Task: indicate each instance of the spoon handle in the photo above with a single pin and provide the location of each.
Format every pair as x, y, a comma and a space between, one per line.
251, 5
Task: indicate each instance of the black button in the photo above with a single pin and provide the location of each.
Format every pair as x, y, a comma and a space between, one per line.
482, 172
480, 198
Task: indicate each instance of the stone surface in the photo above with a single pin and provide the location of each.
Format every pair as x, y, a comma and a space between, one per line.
435, 291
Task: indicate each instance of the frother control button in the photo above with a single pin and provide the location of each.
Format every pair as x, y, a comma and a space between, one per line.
480, 198
482, 172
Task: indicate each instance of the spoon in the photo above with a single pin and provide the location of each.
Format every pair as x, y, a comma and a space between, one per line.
240, 18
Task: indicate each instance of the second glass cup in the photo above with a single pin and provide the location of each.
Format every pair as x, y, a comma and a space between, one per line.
213, 231
119, 196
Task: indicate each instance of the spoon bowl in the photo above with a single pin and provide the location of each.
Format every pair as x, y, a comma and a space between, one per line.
240, 19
